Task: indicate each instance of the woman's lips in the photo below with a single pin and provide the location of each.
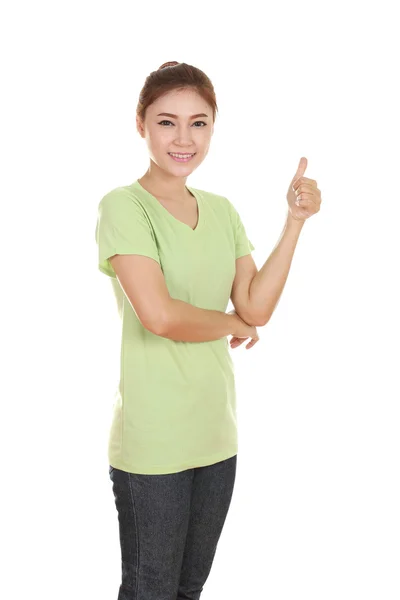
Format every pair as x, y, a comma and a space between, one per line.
181, 159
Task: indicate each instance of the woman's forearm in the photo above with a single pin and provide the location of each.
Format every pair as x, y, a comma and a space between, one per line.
267, 286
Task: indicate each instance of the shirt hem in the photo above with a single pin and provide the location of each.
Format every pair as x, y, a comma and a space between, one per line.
165, 470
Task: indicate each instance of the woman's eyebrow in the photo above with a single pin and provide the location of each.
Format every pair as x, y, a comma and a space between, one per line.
176, 116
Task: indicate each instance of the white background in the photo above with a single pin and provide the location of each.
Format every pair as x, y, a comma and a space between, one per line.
315, 510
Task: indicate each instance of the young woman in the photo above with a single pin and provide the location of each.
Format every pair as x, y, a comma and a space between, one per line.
175, 255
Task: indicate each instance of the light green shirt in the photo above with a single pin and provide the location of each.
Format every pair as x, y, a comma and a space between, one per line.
175, 403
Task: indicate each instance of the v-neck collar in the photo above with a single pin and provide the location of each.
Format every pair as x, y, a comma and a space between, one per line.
171, 216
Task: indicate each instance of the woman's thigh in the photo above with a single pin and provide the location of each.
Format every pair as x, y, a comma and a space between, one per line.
153, 515
211, 497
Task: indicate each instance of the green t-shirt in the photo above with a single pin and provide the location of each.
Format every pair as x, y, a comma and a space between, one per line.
175, 402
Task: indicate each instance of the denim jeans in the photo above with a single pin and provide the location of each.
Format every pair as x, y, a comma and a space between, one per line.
169, 527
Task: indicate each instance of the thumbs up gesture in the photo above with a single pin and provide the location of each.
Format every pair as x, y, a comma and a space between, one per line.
304, 198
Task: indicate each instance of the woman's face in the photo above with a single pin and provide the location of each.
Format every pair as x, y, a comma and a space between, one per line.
183, 133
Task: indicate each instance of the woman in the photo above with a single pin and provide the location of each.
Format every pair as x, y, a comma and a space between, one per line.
175, 255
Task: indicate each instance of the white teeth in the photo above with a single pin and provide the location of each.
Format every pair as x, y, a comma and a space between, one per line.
180, 155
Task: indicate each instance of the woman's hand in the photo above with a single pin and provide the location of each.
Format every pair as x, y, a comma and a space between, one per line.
246, 331
303, 197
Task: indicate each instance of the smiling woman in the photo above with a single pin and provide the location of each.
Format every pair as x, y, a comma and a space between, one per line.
183, 139
172, 252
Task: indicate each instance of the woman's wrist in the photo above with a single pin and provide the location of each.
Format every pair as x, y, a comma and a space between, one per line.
239, 327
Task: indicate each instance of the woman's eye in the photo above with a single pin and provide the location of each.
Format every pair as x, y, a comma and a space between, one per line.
166, 121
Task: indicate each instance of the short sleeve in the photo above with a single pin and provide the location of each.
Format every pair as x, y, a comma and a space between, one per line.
243, 245
123, 227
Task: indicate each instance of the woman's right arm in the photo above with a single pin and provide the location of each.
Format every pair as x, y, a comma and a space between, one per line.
187, 323
143, 283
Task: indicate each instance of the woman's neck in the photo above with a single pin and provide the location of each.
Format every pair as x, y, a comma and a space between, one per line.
178, 194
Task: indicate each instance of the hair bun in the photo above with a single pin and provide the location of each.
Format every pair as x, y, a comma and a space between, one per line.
168, 64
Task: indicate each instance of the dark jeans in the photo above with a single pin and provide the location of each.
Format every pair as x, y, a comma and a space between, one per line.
169, 527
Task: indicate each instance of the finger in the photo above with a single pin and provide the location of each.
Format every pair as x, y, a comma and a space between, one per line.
306, 180
237, 341
307, 189
300, 169
303, 199
304, 187
251, 344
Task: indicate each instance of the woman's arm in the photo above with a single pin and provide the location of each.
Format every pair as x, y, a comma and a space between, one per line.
267, 285
187, 323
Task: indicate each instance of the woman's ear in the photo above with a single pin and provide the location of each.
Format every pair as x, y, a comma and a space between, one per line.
139, 126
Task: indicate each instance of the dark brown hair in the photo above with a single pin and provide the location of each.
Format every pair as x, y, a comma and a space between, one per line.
175, 76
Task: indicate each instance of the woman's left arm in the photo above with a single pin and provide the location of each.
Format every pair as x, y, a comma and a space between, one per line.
304, 200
